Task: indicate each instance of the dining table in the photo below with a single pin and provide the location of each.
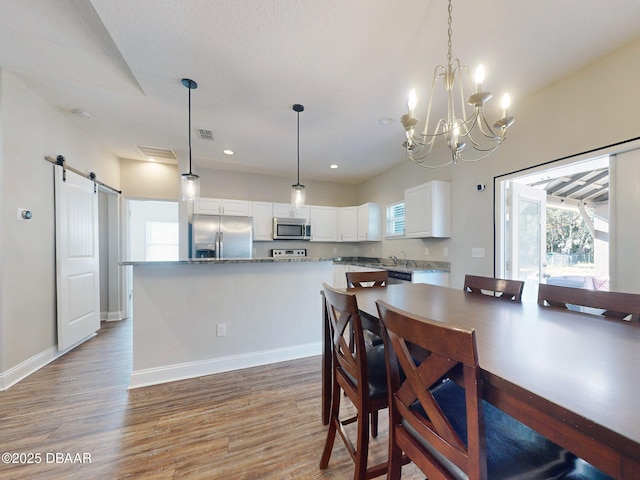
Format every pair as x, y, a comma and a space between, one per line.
573, 377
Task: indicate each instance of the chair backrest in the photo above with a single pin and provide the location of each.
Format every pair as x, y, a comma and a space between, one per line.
614, 304
426, 434
347, 337
496, 287
367, 279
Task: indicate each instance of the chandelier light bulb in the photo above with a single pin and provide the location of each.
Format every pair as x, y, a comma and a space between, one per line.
413, 101
479, 78
505, 103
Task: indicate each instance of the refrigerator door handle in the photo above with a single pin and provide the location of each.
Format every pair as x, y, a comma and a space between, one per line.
221, 245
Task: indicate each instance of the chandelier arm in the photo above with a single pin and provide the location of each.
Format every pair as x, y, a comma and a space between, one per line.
439, 72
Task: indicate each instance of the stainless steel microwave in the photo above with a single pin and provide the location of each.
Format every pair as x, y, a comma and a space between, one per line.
291, 229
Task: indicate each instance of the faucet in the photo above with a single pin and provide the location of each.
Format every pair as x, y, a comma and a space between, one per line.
394, 259
405, 257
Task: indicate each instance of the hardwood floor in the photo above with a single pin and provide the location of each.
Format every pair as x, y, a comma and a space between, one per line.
259, 423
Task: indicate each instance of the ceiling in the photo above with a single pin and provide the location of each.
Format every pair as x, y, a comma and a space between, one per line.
585, 182
349, 62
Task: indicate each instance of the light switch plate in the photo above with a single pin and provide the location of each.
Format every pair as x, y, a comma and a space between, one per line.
477, 252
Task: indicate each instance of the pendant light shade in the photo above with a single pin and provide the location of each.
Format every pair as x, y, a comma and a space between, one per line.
297, 190
190, 181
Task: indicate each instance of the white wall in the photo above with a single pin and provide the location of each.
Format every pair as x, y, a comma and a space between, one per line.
30, 130
589, 109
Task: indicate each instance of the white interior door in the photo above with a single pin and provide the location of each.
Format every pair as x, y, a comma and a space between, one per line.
77, 259
526, 239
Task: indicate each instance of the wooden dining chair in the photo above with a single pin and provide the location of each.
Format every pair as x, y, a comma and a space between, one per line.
613, 304
367, 279
445, 427
361, 375
495, 287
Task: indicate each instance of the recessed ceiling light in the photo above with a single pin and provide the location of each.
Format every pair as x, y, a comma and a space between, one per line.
333, 165
386, 121
228, 152
151, 159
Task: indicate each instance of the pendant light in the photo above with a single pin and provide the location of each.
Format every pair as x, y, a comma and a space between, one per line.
297, 190
190, 181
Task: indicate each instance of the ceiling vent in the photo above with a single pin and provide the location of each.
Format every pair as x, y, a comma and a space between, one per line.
157, 153
205, 134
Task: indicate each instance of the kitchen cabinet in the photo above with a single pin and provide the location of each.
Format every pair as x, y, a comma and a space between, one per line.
347, 224
262, 221
369, 223
427, 209
288, 210
323, 224
221, 206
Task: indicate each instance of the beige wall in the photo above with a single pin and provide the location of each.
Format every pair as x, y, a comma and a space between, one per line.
31, 129
159, 181
592, 108
243, 186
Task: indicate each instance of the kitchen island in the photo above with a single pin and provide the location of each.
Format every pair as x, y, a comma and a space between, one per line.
202, 316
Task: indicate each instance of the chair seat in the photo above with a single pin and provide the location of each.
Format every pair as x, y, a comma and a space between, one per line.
377, 372
513, 449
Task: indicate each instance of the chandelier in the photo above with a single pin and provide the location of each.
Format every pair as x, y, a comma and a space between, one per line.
465, 125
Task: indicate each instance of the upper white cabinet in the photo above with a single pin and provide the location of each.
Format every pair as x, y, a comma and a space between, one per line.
262, 221
222, 206
347, 224
427, 210
288, 210
369, 223
324, 224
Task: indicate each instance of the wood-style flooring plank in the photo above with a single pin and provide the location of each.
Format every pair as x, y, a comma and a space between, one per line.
258, 423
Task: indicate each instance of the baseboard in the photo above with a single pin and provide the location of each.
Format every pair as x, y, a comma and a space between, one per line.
110, 316
33, 364
171, 373
26, 368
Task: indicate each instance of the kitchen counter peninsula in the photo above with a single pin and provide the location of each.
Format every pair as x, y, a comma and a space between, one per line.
202, 316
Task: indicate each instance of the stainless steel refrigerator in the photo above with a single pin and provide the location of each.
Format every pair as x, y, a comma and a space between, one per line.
220, 236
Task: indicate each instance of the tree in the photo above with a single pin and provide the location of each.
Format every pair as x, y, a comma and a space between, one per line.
567, 232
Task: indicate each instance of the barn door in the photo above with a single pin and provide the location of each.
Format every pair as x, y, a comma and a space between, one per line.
77, 259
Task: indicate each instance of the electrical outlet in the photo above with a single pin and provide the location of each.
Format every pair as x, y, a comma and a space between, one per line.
335, 250
477, 252
221, 330
445, 252
426, 251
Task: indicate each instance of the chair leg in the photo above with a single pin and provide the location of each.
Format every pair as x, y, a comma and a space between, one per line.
362, 447
333, 426
394, 469
374, 423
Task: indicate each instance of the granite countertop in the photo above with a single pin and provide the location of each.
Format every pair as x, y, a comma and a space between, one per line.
402, 265
215, 261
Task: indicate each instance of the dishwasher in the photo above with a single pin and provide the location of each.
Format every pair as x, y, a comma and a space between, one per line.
396, 277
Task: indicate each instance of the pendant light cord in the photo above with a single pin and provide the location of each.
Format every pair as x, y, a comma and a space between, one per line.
189, 88
298, 148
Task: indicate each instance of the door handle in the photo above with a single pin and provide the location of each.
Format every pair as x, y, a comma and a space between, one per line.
221, 249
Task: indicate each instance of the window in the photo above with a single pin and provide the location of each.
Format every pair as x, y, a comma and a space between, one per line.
162, 241
395, 219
